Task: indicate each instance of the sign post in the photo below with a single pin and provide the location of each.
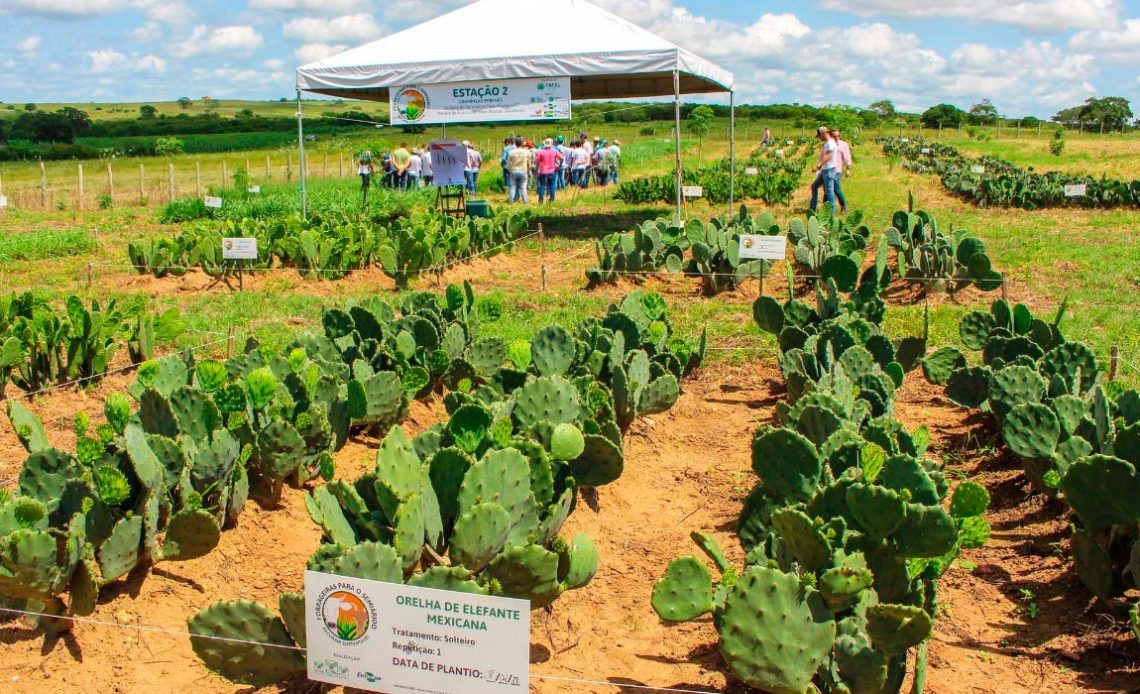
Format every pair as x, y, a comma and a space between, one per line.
391, 637
239, 249
763, 247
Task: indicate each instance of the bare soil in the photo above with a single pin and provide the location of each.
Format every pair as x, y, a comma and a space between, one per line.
686, 470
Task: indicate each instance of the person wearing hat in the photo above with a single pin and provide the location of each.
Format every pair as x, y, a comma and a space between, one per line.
615, 161
827, 171
844, 155
518, 164
564, 152
508, 145
548, 162
580, 164
601, 163
471, 168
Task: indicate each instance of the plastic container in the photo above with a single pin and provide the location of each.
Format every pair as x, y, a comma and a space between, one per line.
478, 208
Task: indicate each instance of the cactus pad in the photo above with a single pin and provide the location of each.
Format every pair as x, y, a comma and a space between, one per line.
1031, 430
256, 665
787, 463
685, 592
479, 535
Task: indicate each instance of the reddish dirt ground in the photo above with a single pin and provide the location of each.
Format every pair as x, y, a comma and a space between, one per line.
686, 470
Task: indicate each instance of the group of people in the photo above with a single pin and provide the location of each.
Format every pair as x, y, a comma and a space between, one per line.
557, 165
834, 163
404, 168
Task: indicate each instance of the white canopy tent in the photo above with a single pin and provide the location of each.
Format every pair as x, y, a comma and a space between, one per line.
610, 58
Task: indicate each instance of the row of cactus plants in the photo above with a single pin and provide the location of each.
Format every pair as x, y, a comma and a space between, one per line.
476, 502
1076, 435
937, 260
847, 530
998, 183
330, 248
775, 181
41, 345
165, 473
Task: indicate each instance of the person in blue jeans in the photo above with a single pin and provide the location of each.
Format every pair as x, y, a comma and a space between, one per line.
827, 172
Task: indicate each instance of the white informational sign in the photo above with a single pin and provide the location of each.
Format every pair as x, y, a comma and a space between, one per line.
977, 169
3, 201
693, 191
752, 171
925, 150
1076, 191
762, 247
779, 153
212, 202
481, 102
448, 160
239, 249
906, 139
790, 142
389, 637
255, 189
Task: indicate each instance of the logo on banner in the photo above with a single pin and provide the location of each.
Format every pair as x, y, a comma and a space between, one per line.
347, 616
411, 103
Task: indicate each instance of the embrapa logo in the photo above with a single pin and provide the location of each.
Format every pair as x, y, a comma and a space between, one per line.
411, 104
346, 616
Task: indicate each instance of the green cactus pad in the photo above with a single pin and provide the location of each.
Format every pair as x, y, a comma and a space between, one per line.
760, 613
552, 351
528, 572
120, 552
974, 327
190, 534
842, 584
374, 561
84, 589
566, 442
1031, 430
1014, 385
447, 469
292, 608
926, 532
46, 474
769, 315
938, 366
970, 499
502, 477
1103, 490
487, 355
453, 578
896, 628
659, 395
28, 427
398, 471
685, 592
551, 399
245, 663
806, 542
479, 536
28, 565
787, 463
581, 564
468, 427
969, 387
878, 511
600, 463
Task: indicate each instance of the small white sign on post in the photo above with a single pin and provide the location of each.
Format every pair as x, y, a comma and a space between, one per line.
763, 247
1076, 191
448, 159
752, 171
239, 249
256, 190
925, 150
3, 201
212, 202
906, 139
390, 637
977, 169
779, 153
693, 191
790, 142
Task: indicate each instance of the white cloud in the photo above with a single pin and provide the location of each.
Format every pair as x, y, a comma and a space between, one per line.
274, 63
62, 9
1038, 16
106, 60
419, 10
29, 46
110, 60
239, 39
312, 52
150, 31
351, 27
150, 63
1118, 45
328, 8
165, 11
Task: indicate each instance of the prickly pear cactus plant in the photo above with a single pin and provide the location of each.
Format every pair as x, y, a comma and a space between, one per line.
939, 261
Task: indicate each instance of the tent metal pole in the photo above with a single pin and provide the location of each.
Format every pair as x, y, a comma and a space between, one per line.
731, 152
303, 167
677, 134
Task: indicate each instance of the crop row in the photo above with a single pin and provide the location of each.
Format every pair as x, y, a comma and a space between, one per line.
825, 248
774, 182
992, 182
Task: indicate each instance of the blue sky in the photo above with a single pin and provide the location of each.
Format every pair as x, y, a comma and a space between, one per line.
1028, 56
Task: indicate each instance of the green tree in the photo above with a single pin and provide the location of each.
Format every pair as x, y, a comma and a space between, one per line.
700, 124
885, 109
245, 113
945, 115
185, 102
80, 121
148, 112
29, 107
984, 113
169, 146
3, 132
1110, 112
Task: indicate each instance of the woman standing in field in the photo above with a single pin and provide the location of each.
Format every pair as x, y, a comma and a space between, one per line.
828, 171
428, 172
365, 171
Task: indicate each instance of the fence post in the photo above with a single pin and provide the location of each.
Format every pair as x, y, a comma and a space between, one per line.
111, 183
170, 179
90, 274
325, 165
43, 185
248, 170
267, 166
230, 342
225, 174
542, 251
340, 161
289, 169
79, 202
1113, 362
142, 183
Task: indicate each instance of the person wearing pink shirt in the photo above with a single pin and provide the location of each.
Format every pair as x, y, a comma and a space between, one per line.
844, 156
548, 161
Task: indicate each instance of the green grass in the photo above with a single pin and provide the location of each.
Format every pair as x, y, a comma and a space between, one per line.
39, 246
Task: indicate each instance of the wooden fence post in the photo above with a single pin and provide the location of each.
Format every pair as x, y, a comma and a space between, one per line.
325, 165
198, 179
267, 166
1113, 362
542, 241
225, 174
111, 183
289, 168
170, 178
43, 185
142, 184
79, 202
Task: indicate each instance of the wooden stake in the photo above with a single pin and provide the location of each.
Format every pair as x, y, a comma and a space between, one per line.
230, 342
111, 183
142, 183
340, 160
325, 165
43, 184
90, 274
198, 179
225, 174
267, 166
542, 251
248, 170
289, 168
170, 178
1004, 290
1113, 362
79, 203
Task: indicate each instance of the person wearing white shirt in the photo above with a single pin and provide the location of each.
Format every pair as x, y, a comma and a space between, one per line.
827, 171
415, 167
427, 173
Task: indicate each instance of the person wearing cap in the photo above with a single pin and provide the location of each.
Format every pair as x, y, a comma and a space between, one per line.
580, 164
508, 145
615, 161
564, 152
415, 167
601, 163
844, 167
428, 173
827, 171
548, 162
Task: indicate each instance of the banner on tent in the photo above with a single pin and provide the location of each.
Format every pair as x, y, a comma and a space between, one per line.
481, 102
447, 162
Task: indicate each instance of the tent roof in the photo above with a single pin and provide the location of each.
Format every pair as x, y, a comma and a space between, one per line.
605, 56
